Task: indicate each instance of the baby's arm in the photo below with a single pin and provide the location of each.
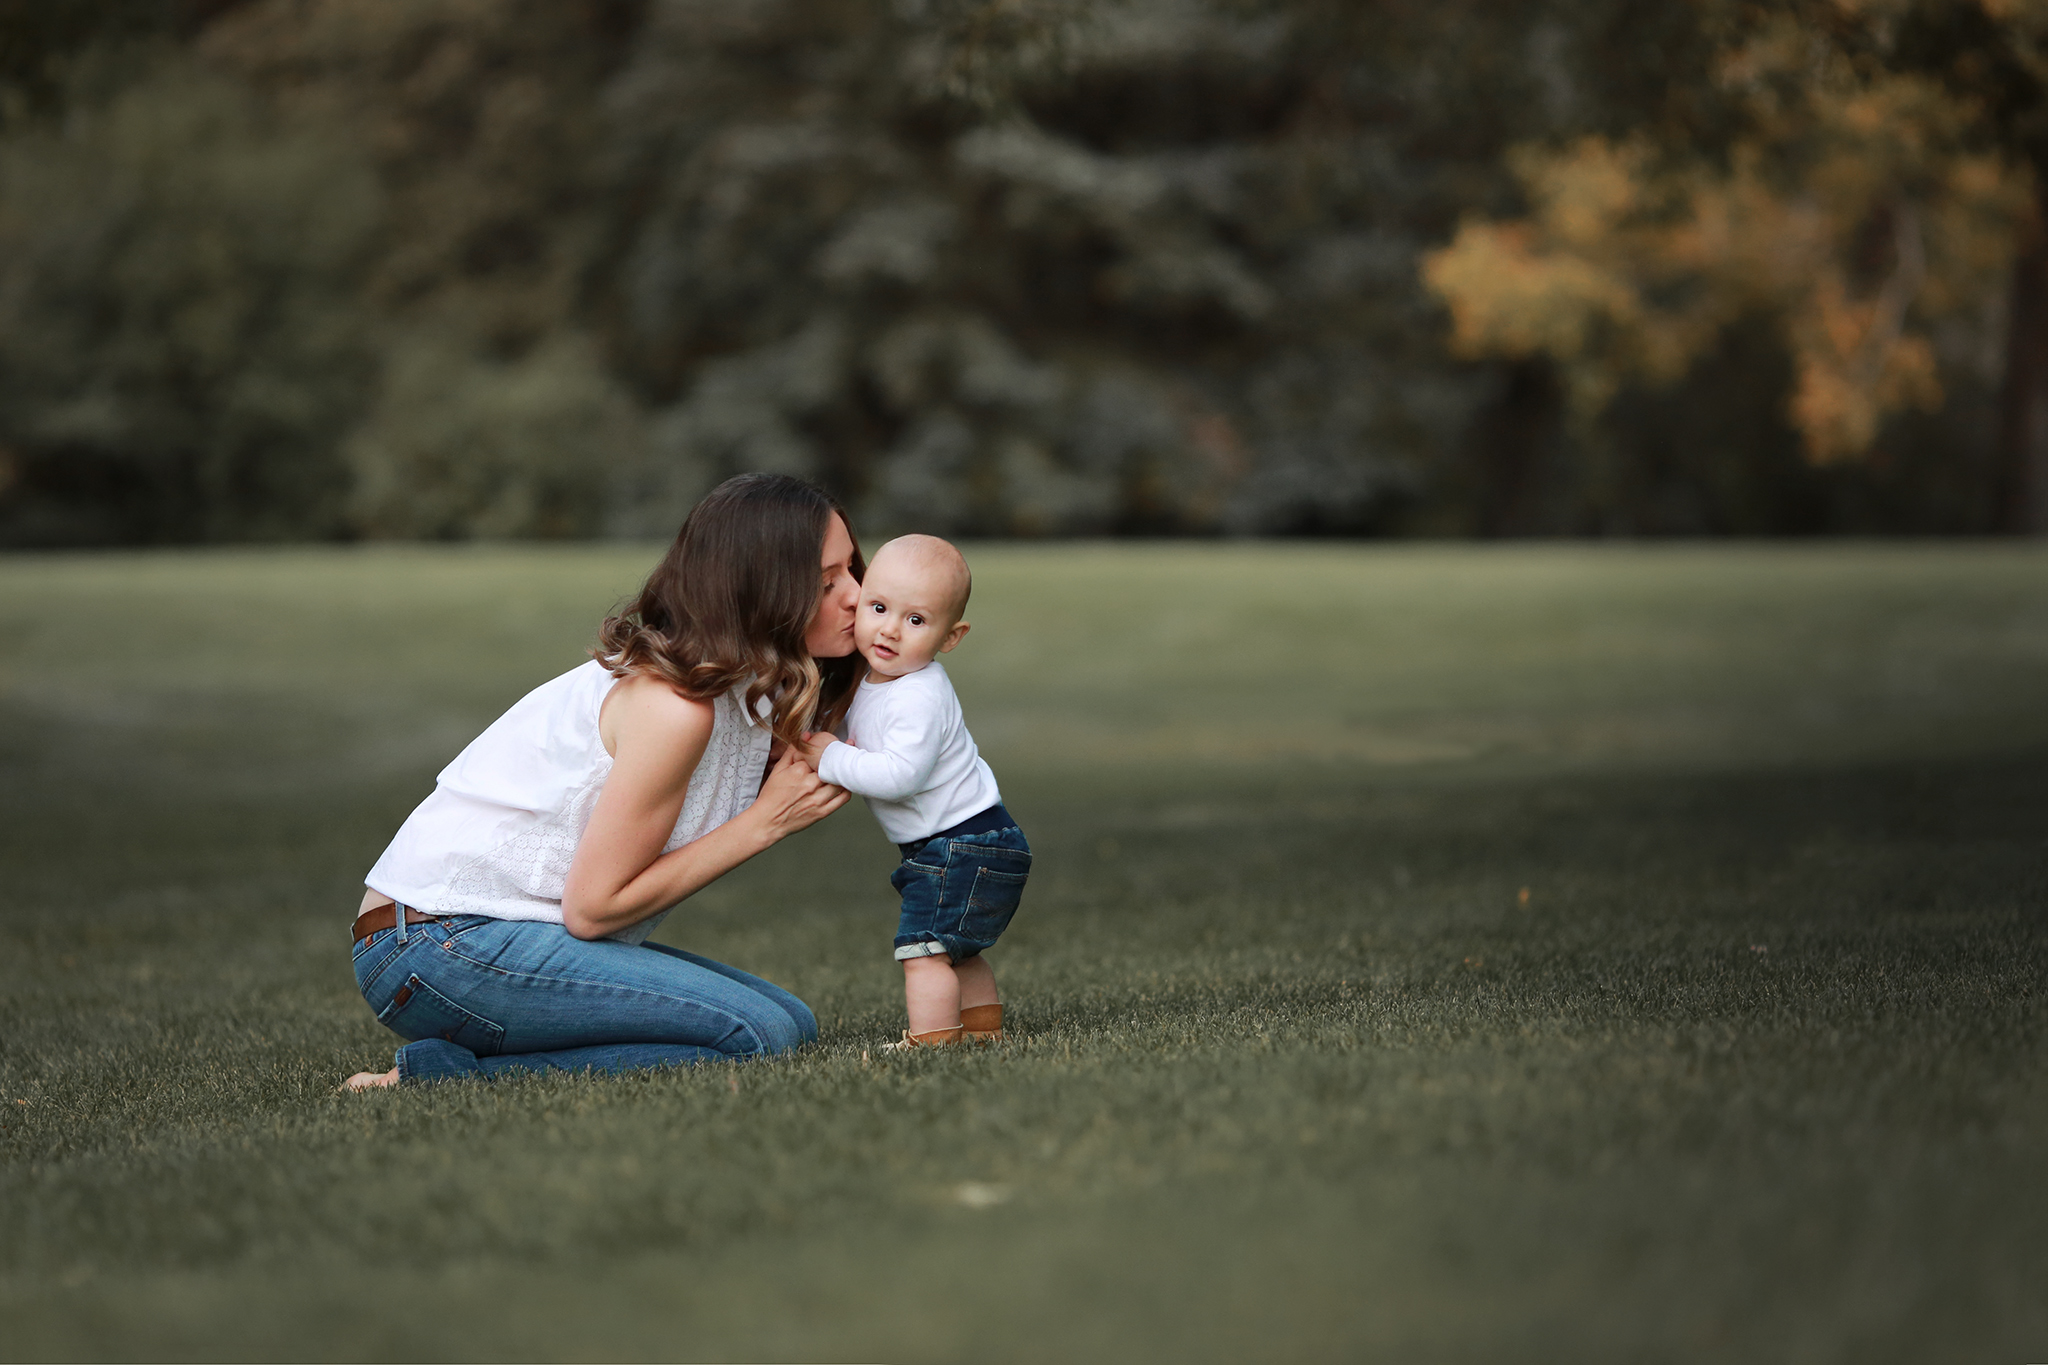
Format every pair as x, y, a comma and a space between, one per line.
901, 764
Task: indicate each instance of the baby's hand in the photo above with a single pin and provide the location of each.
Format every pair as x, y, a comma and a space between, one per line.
813, 746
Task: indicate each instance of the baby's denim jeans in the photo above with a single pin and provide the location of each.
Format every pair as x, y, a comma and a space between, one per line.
959, 891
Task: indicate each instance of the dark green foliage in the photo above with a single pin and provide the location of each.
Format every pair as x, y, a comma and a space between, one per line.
1754, 1072
1149, 284
43, 46
442, 269
1160, 278
179, 339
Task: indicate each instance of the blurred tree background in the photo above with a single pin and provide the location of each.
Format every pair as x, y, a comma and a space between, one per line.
283, 269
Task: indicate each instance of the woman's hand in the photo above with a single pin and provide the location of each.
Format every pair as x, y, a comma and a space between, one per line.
813, 745
794, 797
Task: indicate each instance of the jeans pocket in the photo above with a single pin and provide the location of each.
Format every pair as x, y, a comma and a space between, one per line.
371, 957
991, 903
419, 1011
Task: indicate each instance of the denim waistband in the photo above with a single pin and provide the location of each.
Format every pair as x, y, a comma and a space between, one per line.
995, 817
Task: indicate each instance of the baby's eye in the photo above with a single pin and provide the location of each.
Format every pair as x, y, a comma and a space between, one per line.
876, 607
914, 619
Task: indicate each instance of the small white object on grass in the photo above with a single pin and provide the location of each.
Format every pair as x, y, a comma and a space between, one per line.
974, 1194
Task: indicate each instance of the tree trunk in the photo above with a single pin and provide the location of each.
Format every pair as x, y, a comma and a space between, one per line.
2021, 506
1511, 442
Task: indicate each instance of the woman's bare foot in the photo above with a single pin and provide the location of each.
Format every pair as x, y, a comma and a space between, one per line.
371, 1080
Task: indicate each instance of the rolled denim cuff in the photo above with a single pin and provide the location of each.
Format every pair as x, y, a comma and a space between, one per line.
436, 1059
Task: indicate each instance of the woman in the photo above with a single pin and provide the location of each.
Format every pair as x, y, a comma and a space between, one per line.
505, 927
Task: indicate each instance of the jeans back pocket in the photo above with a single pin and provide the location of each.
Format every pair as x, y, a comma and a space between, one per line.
990, 904
419, 1011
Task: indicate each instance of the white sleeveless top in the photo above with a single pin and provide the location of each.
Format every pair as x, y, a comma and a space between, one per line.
498, 833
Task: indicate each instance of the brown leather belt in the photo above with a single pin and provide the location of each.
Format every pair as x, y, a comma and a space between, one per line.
385, 917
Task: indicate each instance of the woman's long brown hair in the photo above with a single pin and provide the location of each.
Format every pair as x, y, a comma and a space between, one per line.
731, 601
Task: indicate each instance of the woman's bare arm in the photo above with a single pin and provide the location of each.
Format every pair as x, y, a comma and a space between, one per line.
656, 736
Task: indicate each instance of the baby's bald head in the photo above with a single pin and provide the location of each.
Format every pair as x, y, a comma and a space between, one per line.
929, 566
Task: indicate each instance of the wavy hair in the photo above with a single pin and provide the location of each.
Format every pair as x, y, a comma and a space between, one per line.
731, 601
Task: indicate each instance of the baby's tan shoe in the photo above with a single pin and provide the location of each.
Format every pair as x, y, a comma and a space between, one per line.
938, 1037
983, 1023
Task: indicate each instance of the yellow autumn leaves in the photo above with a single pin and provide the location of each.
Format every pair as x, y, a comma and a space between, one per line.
1856, 210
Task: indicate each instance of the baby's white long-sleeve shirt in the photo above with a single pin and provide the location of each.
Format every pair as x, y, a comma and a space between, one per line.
907, 751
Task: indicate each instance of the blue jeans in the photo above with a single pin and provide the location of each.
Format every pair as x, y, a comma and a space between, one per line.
959, 892
482, 997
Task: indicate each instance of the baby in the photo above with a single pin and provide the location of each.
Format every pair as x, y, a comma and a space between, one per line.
908, 752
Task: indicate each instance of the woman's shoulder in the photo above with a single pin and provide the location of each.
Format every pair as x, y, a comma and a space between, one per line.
645, 708
656, 696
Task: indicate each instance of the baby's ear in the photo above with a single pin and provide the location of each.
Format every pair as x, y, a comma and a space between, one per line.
954, 636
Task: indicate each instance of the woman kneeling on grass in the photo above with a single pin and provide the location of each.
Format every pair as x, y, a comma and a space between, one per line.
505, 928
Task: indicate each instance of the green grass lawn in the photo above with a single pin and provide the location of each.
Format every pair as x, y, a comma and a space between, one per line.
1433, 954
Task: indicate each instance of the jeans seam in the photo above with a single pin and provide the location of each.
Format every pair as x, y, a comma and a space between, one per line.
468, 1014
377, 972
453, 934
635, 992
